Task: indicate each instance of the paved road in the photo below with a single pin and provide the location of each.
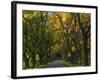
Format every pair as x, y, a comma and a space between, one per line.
56, 63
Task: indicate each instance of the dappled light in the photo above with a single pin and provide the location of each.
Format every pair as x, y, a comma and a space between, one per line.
56, 39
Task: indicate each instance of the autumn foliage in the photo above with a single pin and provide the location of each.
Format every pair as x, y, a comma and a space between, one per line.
49, 35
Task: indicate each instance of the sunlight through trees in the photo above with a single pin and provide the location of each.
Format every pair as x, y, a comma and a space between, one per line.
48, 36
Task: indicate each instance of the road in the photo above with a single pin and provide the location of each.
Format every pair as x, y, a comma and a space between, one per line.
56, 63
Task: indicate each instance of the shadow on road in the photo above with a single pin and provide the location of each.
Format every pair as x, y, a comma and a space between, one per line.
56, 63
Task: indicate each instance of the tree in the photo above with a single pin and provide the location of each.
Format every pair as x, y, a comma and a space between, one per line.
84, 24
47, 35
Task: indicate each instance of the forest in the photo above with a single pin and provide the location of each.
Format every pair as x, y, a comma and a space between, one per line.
56, 39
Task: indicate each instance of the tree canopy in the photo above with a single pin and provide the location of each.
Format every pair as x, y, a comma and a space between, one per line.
47, 35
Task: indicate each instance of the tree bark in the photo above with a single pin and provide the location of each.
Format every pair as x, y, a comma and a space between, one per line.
86, 53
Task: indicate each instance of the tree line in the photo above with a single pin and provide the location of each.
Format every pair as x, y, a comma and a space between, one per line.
48, 34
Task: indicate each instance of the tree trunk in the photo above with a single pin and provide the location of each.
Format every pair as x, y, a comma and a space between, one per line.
33, 60
26, 61
85, 53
